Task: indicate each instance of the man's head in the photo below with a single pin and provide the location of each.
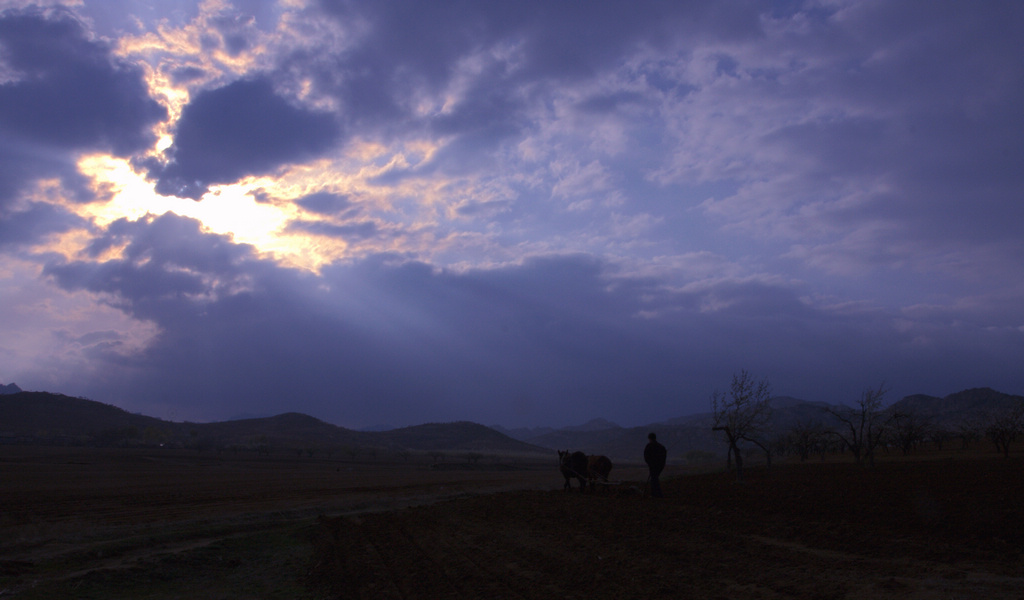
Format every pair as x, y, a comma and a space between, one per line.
651, 436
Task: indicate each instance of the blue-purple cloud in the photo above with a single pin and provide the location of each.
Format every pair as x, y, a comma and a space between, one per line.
24, 227
67, 90
62, 92
244, 128
555, 340
537, 212
325, 203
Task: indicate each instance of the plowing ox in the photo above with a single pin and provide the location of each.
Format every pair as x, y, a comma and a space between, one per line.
583, 468
573, 465
598, 467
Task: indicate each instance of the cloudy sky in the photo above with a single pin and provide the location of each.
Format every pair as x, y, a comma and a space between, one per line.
517, 213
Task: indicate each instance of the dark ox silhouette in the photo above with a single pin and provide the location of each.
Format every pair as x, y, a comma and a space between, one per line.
598, 467
572, 465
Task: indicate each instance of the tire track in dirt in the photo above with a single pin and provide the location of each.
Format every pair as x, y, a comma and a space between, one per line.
108, 533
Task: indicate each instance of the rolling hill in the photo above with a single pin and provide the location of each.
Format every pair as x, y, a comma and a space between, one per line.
55, 419
10, 388
45, 418
956, 408
692, 436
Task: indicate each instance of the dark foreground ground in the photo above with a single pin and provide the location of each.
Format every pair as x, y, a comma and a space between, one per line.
137, 525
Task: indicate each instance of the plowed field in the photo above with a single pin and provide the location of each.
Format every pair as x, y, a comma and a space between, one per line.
119, 524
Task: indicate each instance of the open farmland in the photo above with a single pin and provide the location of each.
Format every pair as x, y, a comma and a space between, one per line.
88, 523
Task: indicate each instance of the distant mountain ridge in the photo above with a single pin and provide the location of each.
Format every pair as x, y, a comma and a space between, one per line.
523, 433
533, 433
955, 408
692, 433
42, 417
45, 418
593, 425
10, 388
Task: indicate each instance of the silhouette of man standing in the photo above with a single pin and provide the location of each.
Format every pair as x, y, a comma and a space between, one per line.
655, 455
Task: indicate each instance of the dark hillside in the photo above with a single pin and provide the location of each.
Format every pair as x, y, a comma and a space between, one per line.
594, 425
461, 435
691, 436
523, 434
788, 413
683, 436
597, 441
957, 408
288, 430
679, 440
10, 388
46, 417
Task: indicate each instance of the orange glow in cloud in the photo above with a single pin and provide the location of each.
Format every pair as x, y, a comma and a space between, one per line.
227, 209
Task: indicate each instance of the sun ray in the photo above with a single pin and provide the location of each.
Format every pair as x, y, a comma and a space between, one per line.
227, 209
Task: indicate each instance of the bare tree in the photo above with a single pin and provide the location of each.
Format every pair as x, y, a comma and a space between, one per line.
864, 425
968, 430
939, 436
742, 415
807, 437
1005, 426
909, 430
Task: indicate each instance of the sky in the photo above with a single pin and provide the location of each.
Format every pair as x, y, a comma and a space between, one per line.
518, 213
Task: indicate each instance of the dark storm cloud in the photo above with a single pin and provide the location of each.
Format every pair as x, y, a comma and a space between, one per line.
186, 74
561, 39
912, 159
68, 92
63, 92
167, 264
350, 231
827, 196
554, 340
609, 103
244, 128
33, 223
939, 120
406, 49
21, 164
234, 34
325, 203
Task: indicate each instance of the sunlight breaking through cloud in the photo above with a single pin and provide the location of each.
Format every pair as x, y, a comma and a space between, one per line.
455, 211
